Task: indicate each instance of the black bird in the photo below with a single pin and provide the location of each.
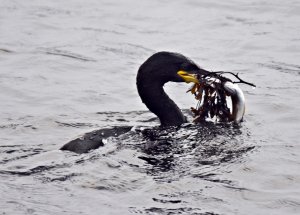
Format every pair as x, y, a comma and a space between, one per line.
157, 70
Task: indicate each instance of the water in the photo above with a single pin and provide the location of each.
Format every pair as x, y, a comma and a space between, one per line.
69, 67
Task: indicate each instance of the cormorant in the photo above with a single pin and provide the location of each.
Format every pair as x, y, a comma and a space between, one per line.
157, 70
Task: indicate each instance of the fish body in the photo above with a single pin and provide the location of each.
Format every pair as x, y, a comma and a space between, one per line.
238, 101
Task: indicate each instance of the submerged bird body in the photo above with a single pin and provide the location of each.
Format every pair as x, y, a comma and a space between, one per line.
157, 70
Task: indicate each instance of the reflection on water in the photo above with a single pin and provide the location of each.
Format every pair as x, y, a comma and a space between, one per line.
68, 68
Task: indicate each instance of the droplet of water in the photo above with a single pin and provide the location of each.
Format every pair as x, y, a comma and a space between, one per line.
104, 141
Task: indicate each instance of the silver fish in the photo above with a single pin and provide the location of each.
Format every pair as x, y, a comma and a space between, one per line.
238, 101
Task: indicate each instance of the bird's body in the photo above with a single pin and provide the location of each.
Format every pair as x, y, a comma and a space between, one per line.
157, 70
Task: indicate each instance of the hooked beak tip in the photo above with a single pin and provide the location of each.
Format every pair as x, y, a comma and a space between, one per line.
188, 77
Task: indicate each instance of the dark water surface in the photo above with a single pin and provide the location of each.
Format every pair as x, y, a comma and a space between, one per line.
69, 67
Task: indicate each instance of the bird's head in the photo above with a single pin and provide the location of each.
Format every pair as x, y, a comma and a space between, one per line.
184, 71
163, 67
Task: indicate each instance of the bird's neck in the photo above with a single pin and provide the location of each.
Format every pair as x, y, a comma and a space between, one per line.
158, 102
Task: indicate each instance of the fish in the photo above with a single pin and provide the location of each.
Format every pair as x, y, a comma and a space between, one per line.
238, 101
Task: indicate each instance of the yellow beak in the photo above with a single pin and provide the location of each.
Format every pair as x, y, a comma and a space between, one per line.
187, 77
